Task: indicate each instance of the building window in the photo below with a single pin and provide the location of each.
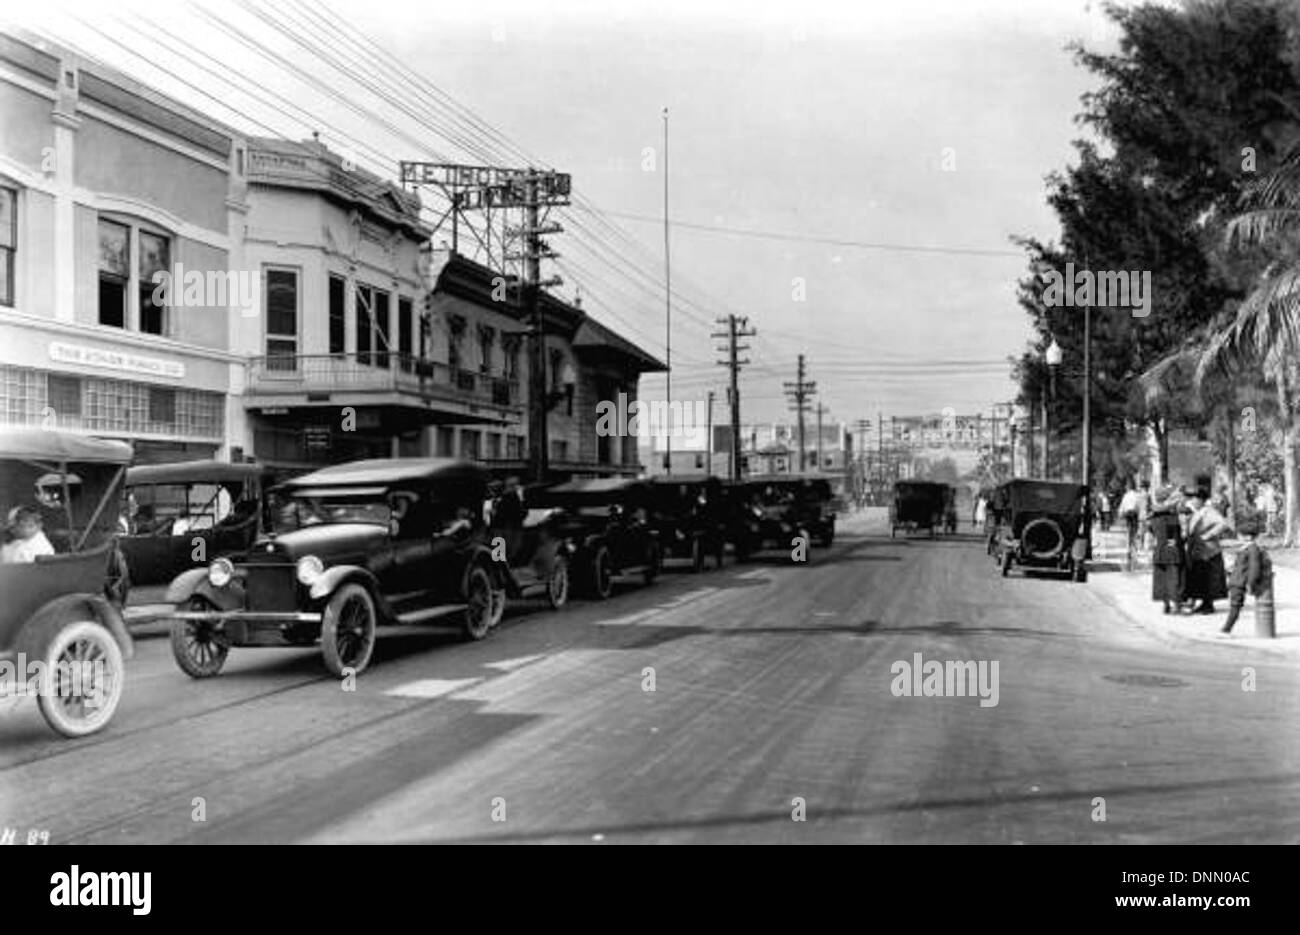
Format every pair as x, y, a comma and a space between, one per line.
155, 252
560, 450
493, 447
510, 346
383, 328
405, 333
64, 396
162, 405
444, 441
8, 243
114, 272
338, 315
515, 447
557, 364
281, 319
469, 444
372, 326
486, 339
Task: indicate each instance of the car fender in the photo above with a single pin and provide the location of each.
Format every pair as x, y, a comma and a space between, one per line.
480, 557
77, 607
195, 583
336, 576
184, 585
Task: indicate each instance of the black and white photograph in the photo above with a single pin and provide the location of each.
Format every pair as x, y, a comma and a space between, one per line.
677, 422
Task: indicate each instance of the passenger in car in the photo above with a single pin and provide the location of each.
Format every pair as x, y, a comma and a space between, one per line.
29, 540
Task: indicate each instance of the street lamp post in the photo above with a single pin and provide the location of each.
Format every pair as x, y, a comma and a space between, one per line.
1052, 356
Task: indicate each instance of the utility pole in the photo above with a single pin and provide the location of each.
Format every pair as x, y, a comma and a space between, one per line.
820, 461
880, 445
737, 328
708, 442
534, 250
668, 310
799, 391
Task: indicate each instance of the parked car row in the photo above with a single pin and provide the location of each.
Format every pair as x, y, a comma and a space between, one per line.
328, 557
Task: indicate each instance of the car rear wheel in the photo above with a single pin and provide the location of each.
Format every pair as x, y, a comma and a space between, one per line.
478, 600
557, 584
347, 632
198, 647
602, 579
86, 676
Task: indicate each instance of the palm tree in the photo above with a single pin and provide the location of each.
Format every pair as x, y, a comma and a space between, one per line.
1264, 333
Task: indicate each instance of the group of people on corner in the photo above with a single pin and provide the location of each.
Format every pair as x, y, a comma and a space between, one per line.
1188, 572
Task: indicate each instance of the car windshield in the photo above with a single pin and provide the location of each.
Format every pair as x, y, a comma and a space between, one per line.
296, 512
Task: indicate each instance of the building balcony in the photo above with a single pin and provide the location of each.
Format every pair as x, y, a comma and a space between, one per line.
380, 379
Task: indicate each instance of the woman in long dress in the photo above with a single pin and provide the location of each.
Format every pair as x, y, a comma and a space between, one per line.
1207, 579
1168, 560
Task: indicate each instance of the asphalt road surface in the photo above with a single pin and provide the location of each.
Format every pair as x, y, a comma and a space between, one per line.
773, 718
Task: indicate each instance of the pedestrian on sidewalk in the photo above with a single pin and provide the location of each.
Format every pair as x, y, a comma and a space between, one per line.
1103, 509
1129, 509
1168, 556
1252, 573
1207, 581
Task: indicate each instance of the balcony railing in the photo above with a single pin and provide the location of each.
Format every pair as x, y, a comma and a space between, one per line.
375, 372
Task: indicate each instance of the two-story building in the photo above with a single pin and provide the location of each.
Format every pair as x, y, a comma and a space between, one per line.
105, 183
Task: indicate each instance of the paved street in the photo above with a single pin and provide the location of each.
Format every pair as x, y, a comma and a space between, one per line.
772, 698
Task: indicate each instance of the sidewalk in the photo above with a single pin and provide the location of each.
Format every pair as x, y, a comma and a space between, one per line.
1131, 593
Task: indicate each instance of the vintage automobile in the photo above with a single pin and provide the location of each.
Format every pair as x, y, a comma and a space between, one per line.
531, 549
689, 514
170, 507
56, 609
1041, 524
772, 511
606, 520
350, 547
917, 505
950, 509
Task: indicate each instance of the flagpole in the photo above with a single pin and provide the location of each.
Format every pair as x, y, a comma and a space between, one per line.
668, 312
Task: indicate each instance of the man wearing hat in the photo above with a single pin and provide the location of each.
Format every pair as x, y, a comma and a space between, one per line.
1168, 557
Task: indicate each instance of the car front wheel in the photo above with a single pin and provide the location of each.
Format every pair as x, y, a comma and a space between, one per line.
86, 674
347, 632
602, 577
557, 583
198, 647
478, 604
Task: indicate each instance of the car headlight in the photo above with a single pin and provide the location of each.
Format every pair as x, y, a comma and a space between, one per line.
309, 569
220, 572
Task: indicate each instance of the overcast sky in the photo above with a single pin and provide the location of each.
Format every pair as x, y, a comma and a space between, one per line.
908, 125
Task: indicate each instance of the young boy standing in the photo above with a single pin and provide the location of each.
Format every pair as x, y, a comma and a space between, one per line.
1252, 572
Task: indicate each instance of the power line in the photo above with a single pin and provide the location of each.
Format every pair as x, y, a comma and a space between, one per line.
829, 241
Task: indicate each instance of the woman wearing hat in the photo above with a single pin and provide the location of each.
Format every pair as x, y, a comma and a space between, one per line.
1207, 580
1168, 558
